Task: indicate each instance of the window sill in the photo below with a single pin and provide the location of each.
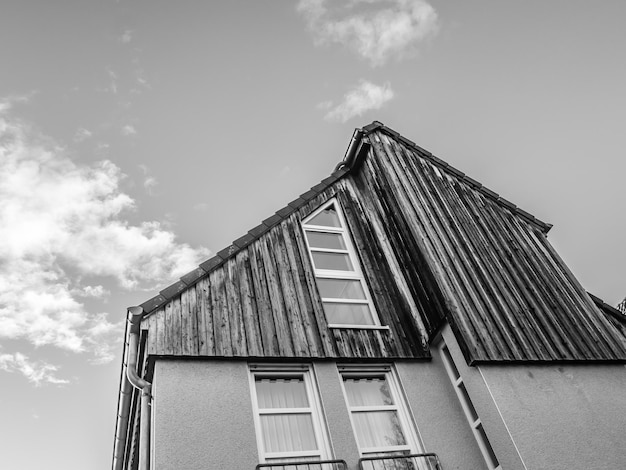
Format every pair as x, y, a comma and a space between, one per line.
358, 327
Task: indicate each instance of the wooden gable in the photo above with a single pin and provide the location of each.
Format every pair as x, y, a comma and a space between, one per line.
508, 294
263, 301
434, 244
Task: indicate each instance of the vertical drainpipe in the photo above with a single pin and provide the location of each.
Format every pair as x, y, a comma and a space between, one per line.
135, 314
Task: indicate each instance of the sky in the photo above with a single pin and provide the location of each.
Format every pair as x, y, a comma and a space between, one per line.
139, 137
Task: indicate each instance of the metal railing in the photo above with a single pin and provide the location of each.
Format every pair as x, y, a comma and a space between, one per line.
306, 465
428, 461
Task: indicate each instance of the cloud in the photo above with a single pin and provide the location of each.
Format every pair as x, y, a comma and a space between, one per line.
113, 77
126, 37
91, 291
82, 134
364, 97
376, 30
149, 181
37, 372
129, 130
64, 230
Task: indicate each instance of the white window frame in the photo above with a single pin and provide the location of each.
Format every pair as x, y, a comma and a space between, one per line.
407, 424
315, 409
468, 407
356, 274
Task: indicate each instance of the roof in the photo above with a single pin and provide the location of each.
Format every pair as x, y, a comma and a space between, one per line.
356, 152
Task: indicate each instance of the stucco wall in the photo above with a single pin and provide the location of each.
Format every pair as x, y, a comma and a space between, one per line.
550, 416
563, 416
203, 415
438, 414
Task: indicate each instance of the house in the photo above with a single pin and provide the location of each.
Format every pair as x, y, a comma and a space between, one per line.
398, 315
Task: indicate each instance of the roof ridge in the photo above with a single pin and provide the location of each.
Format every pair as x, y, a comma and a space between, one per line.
379, 126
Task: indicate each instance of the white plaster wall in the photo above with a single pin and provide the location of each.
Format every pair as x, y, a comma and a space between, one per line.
438, 414
202, 416
486, 408
337, 416
563, 417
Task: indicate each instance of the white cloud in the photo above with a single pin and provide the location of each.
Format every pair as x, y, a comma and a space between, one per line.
129, 130
62, 226
91, 291
126, 37
364, 97
149, 181
35, 371
113, 77
374, 29
82, 134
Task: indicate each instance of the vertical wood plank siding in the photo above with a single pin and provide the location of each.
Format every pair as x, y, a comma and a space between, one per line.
509, 295
432, 247
263, 301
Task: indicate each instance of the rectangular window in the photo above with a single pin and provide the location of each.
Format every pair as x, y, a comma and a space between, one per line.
380, 419
468, 407
287, 412
346, 299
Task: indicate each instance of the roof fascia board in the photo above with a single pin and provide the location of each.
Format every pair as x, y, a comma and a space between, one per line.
378, 126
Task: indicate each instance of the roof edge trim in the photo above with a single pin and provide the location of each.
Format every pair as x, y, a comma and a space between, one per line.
350, 159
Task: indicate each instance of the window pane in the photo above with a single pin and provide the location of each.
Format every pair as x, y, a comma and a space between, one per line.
340, 288
334, 241
288, 432
468, 402
327, 218
348, 314
288, 392
367, 391
378, 429
448, 358
493, 460
333, 261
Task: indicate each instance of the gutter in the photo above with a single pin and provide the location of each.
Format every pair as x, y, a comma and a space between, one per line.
131, 379
351, 152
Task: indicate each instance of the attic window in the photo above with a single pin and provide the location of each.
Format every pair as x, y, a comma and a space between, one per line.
340, 281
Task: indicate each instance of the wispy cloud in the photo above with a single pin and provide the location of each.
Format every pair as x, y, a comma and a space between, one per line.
363, 97
149, 181
129, 129
82, 134
376, 30
113, 80
64, 226
37, 372
91, 291
126, 37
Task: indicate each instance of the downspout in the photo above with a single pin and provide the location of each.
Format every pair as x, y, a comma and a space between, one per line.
135, 314
123, 410
131, 379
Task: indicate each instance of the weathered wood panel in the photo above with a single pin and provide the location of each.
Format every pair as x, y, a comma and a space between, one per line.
263, 302
432, 245
509, 296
